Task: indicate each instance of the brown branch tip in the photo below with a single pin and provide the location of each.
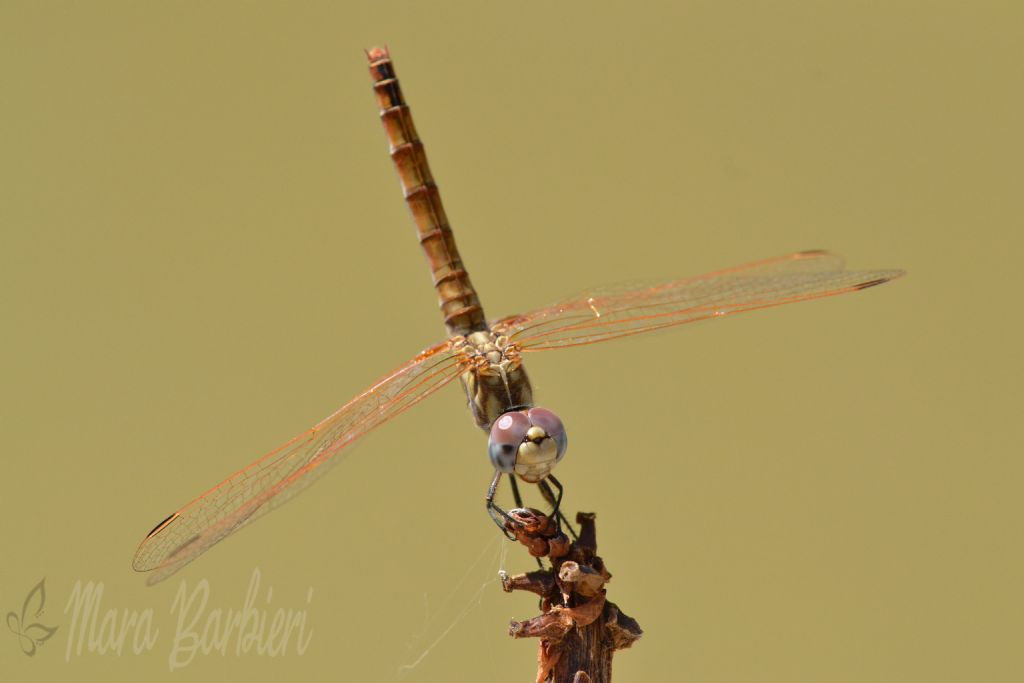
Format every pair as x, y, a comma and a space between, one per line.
578, 628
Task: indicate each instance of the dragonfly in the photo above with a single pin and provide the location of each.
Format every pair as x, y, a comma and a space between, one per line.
525, 441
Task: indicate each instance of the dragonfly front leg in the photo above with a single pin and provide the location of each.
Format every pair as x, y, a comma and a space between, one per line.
499, 516
519, 504
555, 502
515, 491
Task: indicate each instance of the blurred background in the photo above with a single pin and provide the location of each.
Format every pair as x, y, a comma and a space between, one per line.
204, 250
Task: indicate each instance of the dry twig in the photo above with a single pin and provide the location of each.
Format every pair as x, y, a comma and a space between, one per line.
579, 629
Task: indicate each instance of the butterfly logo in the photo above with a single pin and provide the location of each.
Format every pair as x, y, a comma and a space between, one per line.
31, 636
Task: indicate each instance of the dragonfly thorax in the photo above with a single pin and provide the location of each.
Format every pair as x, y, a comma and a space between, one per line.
528, 443
495, 379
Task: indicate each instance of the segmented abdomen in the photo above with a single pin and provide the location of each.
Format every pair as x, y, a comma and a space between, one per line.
459, 303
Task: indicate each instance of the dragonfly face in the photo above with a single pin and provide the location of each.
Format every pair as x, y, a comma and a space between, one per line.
527, 442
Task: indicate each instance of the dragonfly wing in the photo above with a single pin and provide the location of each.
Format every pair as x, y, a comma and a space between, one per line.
286, 471
611, 313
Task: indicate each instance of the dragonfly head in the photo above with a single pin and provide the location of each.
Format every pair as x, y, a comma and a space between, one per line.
527, 442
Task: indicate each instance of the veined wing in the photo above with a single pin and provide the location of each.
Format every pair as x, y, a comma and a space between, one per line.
618, 312
281, 474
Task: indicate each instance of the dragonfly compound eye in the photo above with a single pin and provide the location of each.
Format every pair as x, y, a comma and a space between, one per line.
552, 426
543, 445
507, 433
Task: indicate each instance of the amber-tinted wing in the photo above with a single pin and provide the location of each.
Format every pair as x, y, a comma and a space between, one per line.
618, 312
279, 475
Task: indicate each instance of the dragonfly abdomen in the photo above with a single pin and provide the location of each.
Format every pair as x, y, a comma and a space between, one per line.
459, 303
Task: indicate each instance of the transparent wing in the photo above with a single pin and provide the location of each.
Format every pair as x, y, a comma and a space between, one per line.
611, 313
281, 474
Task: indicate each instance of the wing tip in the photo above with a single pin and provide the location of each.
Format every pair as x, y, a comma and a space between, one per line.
137, 563
167, 520
874, 282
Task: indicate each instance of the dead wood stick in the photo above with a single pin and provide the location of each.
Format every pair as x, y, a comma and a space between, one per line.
578, 628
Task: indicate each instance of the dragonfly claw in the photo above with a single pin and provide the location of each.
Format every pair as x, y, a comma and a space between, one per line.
539, 533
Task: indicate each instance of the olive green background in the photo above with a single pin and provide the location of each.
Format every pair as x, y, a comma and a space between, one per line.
203, 250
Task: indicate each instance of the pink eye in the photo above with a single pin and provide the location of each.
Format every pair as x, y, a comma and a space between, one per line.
552, 425
510, 428
546, 420
507, 433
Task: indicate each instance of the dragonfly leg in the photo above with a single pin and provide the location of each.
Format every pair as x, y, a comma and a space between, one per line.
519, 503
555, 502
497, 514
515, 491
